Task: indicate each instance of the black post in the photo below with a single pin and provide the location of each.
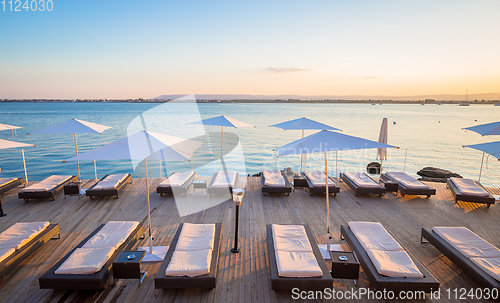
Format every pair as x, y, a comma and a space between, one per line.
235, 249
2, 214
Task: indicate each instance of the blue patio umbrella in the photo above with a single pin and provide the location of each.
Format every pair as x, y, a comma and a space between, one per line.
303, 124
491, 148
488, 129
323, 142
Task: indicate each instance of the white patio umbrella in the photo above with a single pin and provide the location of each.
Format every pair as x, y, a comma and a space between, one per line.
12, 144
12, 127
325, 141
222, 121
491, 148
488, 129
303, 124
144, 145
73, 126
382, 138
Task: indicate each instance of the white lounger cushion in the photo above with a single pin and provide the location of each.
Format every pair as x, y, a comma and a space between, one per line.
490, 265
291, 238
467, 242
177, 179
318, 178
113, 234
4, 253
190, 263
86, 261
361, 180
196, 237
20, 233
5, 181
110, 182
273, 177
469, 187
47, 184
224, 179
394, 263
406, 180
372, 235
297, 264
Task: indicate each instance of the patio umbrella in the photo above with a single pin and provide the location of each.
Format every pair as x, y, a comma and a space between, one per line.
12, 127
303, 124
222, 121
74, 126
325, 141
144, 145
488, 129
12, 144
491, 148
382, 138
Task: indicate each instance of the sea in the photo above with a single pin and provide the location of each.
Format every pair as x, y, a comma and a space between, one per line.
427, 135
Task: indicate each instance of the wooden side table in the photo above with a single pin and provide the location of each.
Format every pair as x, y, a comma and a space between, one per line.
299, 182
348, 269
200, 184
125, 268
72, 189
391, 186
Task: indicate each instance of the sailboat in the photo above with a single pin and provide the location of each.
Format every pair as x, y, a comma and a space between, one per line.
466, 99
497, 104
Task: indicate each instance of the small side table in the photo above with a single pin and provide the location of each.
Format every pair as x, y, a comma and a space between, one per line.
348, 269
124, 268
299, 182
72, 189
391, 186
200, 184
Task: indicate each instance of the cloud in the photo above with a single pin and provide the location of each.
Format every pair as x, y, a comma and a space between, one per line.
369, 78
282, 70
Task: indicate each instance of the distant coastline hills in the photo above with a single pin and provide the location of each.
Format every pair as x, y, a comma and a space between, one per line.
486, 98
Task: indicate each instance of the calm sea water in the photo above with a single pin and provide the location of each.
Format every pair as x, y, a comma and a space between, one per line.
429, 135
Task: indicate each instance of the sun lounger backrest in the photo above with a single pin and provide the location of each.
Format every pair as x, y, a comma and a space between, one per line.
317, 178
224, 179
196, 237
110, 182
177, 179
469, 187
5, 181
372, 235
113, 234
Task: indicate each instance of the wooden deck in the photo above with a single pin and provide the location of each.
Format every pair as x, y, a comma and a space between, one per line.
242, 277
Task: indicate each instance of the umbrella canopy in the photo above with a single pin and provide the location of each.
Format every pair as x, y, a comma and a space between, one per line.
303, 124
144, 145
488, 129
12, 127
222, 121
325, 141
11, 144
74, 126
491, 148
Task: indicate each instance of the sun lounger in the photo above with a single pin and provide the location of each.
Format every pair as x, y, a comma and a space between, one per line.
378, 251
468, 190
316, 183
177, 183
190, 275
20, 241
7, 184
223, 182
362, 184
97, 280
109, 185
408, 185
307, 271
274, 181
48, 188
468, 247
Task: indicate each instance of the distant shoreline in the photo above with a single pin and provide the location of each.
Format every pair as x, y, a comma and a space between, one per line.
289, 101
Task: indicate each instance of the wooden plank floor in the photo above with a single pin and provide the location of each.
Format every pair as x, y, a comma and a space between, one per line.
242, 277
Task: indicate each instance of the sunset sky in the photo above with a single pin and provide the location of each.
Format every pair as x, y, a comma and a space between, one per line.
131, 49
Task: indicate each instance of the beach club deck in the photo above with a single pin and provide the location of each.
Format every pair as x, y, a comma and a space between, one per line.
242, 277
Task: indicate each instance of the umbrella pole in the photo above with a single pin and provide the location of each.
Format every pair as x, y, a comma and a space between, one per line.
149, 207
95, 169
24, 163
327, 207
481, 170
221, 140
301, 155
380, 172
77, 163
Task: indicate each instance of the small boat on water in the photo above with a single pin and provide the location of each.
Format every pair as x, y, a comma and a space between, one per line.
466, 99
497, 104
